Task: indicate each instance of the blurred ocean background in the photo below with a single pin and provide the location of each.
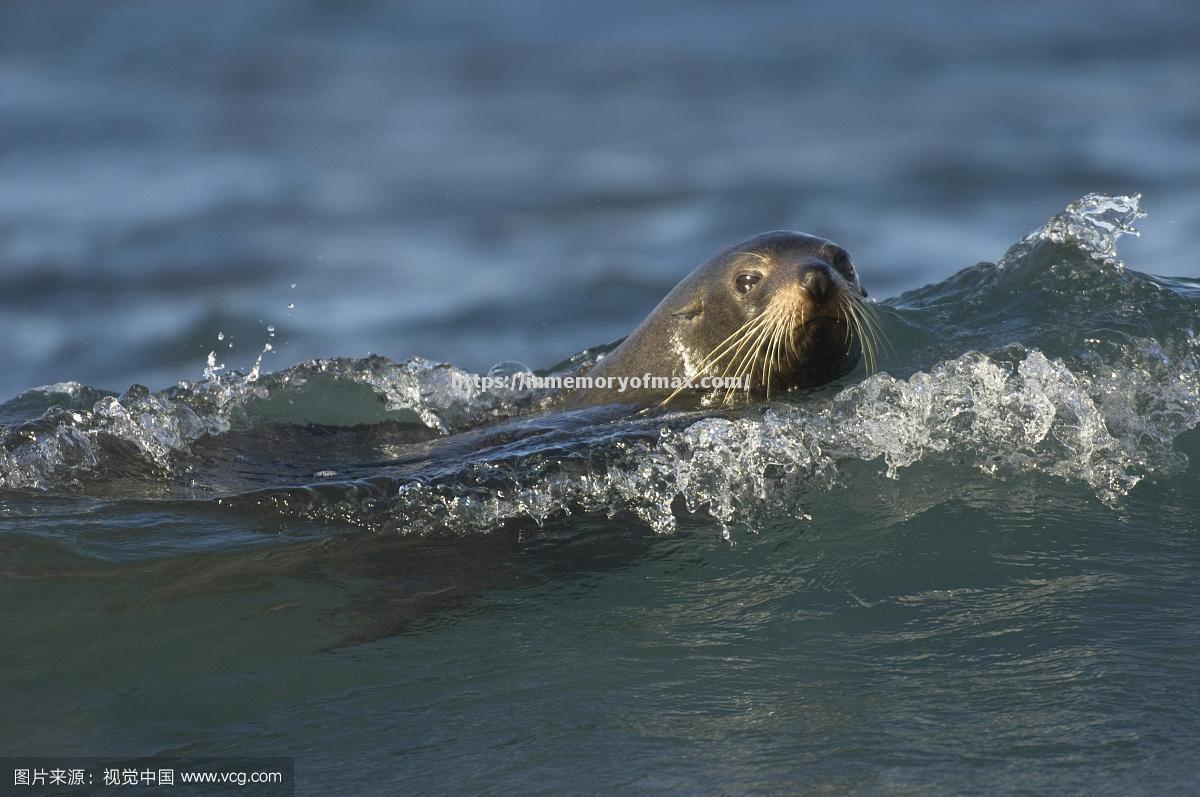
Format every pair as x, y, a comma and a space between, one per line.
478, 182
975, 571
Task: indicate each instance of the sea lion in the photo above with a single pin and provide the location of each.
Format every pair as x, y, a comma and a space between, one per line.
780, 310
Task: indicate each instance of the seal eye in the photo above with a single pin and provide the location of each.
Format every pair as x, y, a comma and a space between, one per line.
841, 261
745, 282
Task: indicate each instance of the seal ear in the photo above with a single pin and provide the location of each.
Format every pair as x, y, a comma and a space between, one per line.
692, 310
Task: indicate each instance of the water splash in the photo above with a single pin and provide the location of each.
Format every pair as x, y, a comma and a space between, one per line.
49, 446
1012, 414
1086, 375
256, 369
1104, 415
1094, 223
212, 369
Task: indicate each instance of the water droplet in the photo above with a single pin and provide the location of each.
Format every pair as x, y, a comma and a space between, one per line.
220, 336
271, 329
291, 307
212, 368
509, 368
293, 285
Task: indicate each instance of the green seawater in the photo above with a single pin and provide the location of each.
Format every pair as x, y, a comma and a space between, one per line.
975, 571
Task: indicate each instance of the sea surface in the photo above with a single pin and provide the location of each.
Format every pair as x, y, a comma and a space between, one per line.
246, 508
975, 570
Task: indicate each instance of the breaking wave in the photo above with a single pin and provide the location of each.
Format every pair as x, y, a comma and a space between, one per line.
1055, 361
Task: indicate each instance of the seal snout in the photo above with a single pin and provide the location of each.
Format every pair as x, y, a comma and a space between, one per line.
817, 279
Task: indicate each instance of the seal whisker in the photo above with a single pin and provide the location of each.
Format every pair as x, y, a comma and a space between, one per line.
872, 317
746, 361
794, 319
783, 338
751, 334
782, 332
764, 320
783, 329
845, 316
759, 358
723, 348
871, 320
866, 338
768, 365
720, 351
750, 358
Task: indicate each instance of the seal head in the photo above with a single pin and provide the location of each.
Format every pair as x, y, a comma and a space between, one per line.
777, 311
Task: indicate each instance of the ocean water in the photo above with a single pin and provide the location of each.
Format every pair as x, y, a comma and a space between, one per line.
244, 509
974, 570
479, 182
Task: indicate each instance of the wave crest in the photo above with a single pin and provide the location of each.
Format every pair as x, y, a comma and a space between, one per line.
1043, 364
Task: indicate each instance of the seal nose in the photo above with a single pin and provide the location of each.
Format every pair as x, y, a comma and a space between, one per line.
817, 280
